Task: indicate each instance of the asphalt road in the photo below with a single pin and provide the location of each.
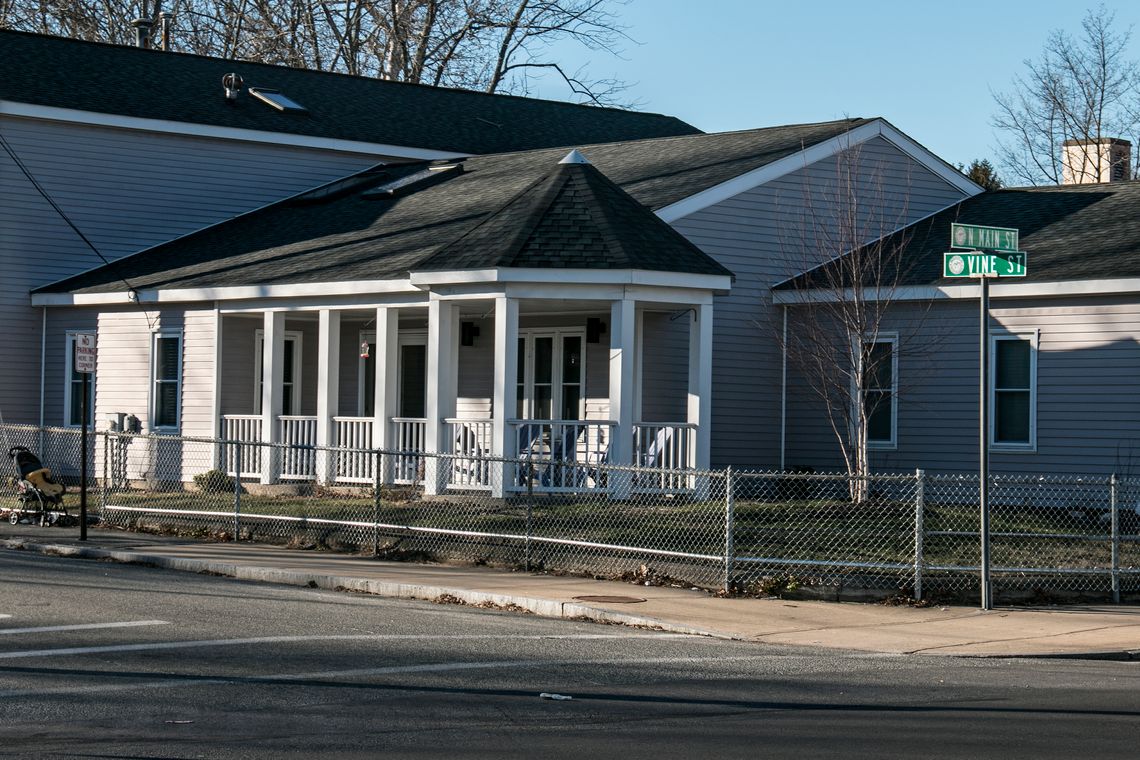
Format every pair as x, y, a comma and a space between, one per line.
105, 660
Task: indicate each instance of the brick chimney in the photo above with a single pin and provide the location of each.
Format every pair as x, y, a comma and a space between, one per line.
1085, 162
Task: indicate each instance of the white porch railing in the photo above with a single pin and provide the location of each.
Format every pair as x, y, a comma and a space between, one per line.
354, 466
241, 461
470, 441
299, 458
578, 447
410, 435
662, 446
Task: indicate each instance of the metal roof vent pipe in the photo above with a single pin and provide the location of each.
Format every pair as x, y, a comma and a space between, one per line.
142, 31
165, 22
232, 82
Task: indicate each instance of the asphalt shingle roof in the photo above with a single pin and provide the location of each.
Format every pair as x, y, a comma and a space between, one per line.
573, 218
350, 237
128, 81
1070, 232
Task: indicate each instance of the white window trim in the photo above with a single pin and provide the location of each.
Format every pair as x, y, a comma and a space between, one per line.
529, 334
258, 353
153, 405
68, 367
1034, 337
893, 443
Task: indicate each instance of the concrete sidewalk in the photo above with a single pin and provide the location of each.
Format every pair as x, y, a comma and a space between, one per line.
1100, 632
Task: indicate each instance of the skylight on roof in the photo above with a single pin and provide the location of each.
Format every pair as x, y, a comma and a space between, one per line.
277, 99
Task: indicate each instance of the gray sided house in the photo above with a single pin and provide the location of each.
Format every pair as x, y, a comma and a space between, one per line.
1064, 343
607, 305
139, 147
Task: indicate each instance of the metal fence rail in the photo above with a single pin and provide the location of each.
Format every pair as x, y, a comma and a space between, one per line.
914, 533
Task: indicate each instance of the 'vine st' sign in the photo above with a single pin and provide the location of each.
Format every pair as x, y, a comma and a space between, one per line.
980, 238
983, 264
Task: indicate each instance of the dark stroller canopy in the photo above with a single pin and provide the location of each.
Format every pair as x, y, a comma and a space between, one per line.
26, 461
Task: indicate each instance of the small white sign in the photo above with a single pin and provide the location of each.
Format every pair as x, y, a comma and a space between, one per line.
85, 352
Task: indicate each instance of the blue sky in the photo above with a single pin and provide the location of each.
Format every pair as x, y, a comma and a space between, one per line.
927, 67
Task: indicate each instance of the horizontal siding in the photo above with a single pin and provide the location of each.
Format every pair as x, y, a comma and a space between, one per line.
1088, 394
125, 190
665, 367
768, 234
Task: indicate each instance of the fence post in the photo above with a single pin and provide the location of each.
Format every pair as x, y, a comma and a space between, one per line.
1114, 505
106, 474
529, 507
377, 473
919, 528
729, 516
237, 489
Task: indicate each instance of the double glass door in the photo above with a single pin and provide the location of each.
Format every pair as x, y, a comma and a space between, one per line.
551, 375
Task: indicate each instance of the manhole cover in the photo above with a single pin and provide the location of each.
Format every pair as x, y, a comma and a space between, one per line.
610, 599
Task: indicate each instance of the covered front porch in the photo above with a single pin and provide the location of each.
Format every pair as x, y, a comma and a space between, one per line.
536, 386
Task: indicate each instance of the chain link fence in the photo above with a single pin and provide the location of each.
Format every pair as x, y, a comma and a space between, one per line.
741, 530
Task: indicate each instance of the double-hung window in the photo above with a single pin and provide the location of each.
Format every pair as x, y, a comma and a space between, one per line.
73, 391
880, 390
1013, 391
166, 380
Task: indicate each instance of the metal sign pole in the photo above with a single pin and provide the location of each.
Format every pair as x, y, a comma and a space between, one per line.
984, 442
83, 461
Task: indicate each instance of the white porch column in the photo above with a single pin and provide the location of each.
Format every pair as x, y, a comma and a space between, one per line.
442, 382
623, 332
273, 376
384, 389
505, 391
328, 387
700, 392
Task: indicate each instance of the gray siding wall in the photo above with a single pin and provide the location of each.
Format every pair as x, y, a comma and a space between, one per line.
764, 236
126, 190
665, 367
1088, 395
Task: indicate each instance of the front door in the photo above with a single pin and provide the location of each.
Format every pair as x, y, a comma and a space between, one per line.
551, 375
411, 376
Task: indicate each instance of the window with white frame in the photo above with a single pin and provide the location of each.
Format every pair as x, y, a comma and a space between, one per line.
880, 390
290, 375
551, 374
73, 390
1013, 391
166, 369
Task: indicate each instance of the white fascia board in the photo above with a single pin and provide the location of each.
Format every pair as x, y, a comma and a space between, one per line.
230, 293
567, 277
811, 155
968, 289
74, 116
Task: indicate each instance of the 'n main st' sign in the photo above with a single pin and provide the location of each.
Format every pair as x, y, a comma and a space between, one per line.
979, 264
981, 238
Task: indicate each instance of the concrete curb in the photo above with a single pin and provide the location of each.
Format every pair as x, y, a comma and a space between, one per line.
542, 607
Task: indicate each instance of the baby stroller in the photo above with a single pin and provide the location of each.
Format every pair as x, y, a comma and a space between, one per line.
39, 498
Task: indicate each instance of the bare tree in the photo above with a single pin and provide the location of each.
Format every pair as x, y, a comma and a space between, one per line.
844, 329
489, 45
1083, 90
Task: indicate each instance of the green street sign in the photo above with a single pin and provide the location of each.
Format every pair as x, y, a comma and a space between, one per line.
977, 264
982, 238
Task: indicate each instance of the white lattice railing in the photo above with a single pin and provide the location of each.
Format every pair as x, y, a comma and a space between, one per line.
470, 441
579, 447
241, 461
660, 446
298, 458
410, 436
354, 466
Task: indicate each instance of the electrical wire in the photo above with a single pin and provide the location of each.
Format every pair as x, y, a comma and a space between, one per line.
63, 215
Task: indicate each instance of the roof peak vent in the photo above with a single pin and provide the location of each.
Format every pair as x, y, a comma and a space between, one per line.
232, 82
574, 157
142, 31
